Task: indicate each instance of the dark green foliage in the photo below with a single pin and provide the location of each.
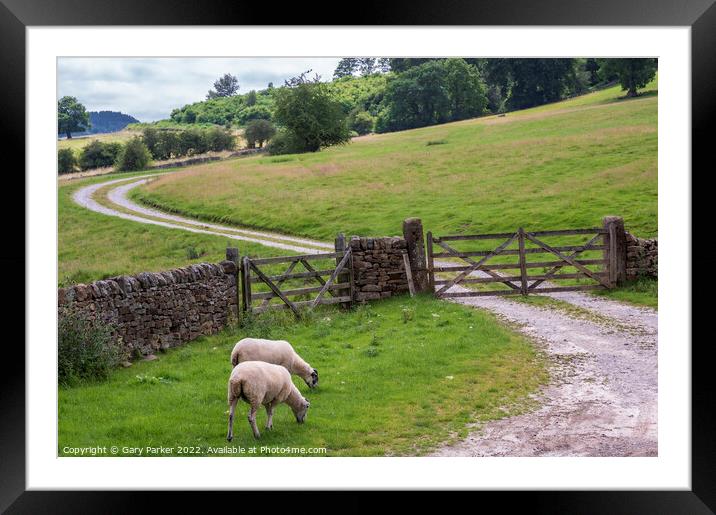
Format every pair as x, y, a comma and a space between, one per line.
167, 145
531, 82
134, 155
436, 91
258, 132
98, 154
218, 139
66, 160
71, 117
188, 116
346, 67
311, 114
284, 142
632, 74
86, 349
225, 86
251, 98
361, 122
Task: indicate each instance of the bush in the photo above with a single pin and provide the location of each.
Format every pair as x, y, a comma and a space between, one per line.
86, 349
362, 122
98, 154
284, 142
167, 145
192, 142
134, 156
219, 139
258, 131
66, 160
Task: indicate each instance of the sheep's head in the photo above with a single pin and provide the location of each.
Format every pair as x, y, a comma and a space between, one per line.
302, 411
312, 380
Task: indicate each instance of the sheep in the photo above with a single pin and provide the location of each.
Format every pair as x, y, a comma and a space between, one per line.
257, 383
278, 352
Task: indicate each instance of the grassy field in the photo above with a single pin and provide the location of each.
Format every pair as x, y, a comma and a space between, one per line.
396, 378
78, 143
93, 246
558, 166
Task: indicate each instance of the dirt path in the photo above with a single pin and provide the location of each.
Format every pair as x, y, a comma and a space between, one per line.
602, 400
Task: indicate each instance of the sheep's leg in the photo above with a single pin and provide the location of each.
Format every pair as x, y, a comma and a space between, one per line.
252, 421
269, 411
232, 408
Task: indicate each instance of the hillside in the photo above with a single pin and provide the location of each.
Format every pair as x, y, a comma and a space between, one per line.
106, 121
562, 165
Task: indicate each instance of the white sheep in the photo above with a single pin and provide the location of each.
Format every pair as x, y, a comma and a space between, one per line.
278, 352
257, 383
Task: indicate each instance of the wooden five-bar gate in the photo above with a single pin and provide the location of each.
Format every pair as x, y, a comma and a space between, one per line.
541, 267
253, 273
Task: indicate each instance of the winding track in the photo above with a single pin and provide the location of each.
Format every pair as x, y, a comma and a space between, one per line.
602, 400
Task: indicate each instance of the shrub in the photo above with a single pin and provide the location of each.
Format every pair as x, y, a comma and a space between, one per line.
258, 131
362, 122
98, 154
284, 142
134, 155
66, 160
192, 142
219, 139
86, 349
167, 145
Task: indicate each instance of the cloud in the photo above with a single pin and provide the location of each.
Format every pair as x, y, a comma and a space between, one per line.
149, 88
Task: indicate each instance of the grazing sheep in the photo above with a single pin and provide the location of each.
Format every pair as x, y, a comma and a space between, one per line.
278, 352
259, 383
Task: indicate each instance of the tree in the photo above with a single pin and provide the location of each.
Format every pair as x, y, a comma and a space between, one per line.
531, 82
346, 67
259, 131
134, 156
465, 89
632, 74
251, 98
366, 65
225, 86
71, 117
306, 109
99, 155
362, 122
66, 160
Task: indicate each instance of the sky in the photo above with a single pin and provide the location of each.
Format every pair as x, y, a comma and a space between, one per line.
149, 88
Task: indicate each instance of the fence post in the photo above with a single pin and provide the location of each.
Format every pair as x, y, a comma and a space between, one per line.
431, 272
523, 264
413, 234
346, 274
616, 249
232, 254
246, 284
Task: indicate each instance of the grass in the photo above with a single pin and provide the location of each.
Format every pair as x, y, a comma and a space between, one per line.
642, 292
397, 378
558, 166
93, 246
78, 143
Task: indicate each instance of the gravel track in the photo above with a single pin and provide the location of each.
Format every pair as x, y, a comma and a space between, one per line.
602, 398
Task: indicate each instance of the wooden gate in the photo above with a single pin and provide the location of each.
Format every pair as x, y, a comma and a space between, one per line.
280, 287
490, 270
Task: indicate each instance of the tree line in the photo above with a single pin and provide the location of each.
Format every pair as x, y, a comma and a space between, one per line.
139, 151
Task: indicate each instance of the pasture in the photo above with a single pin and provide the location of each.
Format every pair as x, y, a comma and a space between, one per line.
397, 377
562, 165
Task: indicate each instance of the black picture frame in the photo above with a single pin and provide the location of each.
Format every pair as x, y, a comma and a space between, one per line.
16, 15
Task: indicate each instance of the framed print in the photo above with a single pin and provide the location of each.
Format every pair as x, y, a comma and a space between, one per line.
433, 266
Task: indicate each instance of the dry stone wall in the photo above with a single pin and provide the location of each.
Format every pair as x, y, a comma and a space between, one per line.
152, 311
642, 257
378, 267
